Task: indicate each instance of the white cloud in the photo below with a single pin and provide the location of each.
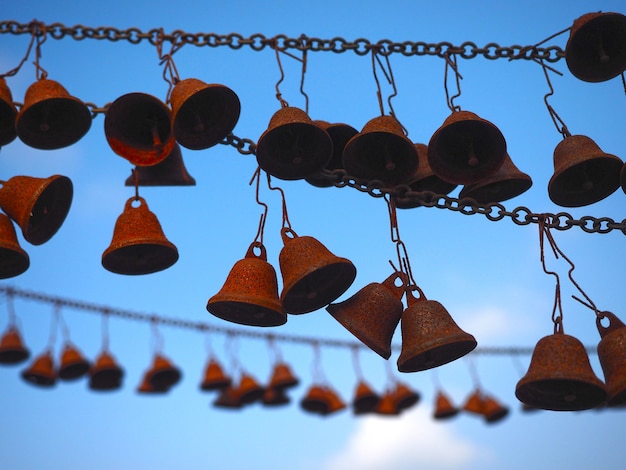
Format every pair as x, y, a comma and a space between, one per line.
492, 325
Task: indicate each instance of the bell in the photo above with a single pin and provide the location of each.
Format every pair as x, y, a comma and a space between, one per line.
612, 355
560, 377
228, 398
405, 397
381, 152
340, 134
373, 313
105, 374
249, 389
12, 349
466, 149
506, 183
583, 173
41, 372
365, 399
444, 408
293, 147
313, 277
202, 114
493, 411
8, 114
138, 127
138, 245
430, 337
250, 294
51, 118
315, 400
163, 374
147, 388
475, 403
282, 377
275, 397
73, 363
214, 377
169, 172
387, 406
37, 205
13, 259
334, 401
596, 48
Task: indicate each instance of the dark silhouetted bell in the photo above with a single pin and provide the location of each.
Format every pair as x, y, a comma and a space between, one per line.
506, 183
282, 377
365, 399
51, 118
293, 146
73, 363
583, 173
13, 259
387, 406
373, 313
105, 374
249, 389
466, 149
250, 294
169, 172
430, 337
313, 277
560, 377
8, 114
340, 134
12, 349
138, 127
41, 372
275, 397
203, 114
493, 410
38, 205
381, 152
404, 396
138, 245
612, 355
163, 374
596, 48
228, 398
444, 408
214, 377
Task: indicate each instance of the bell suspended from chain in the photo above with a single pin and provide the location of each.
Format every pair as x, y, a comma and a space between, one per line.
612, 355
340, 134
169, 172
596, 48
105, 374
38, 205
214, 377
13, 259
73, 363
493, 410
139, 245
444, 408
275, 397
282, 377
293, 146
163, 375
387, 406
41, 372
228, 398
249, 390
8, 114
203, 114
12, 348
405, 397
365, 399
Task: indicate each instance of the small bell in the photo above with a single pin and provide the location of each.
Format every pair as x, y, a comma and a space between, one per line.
612, 355
249, 389
214, 377
493, 411
275, 397
169, 172
365, 399
340, 134
228, 398
334, 402
12, 349
8, 114
163, 374
41, 372
475, 403
315, 400
405, 397
73, 363
13, 259
282, 378
105, 374
444, 408
387, 406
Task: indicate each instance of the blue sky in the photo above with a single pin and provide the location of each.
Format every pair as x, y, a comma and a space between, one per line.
487, 274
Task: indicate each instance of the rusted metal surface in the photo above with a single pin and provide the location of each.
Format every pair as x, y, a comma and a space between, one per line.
12, 348
340, 134
171, 171
8, 114
612, 355
15, 260
444, 408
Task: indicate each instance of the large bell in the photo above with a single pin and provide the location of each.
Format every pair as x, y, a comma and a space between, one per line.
12, 349
138, 127
596, 48
560, 377
41, 371
38, 205
51, 118
250, 294
444, 408
430, 337
73, 363
365, 399
583, 173
138, 245
466, 149
203, 114
612, 355
381, 152
105, 374
169, 172
13, 259
373, 313
214, 377
313, 277
8, 114
340, 134
293, 146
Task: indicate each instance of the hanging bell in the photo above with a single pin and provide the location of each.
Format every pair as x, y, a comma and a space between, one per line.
365, 399
596, 48
249, 389
293, 146
12, 349
8, 114
493, 411
475, 403
334, 402
560, 377
381, 152
404, 396
163, 374
147, 388
203, 114
282, 377
73, 363
275, 397
51, 118
169, 172
37, 205
612, 355
250, 294
313, 277
506, 183
340, 134
138, 127
466, 149
228, 398
41, 372
583, 173
214, 377
105, 374
315, 400
444, 408
373, 313
13, 259
387, 406
138, 245
430, 337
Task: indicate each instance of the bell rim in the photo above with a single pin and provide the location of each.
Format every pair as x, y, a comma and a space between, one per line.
463, 344
117, 267
223, 307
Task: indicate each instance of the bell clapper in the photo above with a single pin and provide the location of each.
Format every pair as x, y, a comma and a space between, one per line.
472, 159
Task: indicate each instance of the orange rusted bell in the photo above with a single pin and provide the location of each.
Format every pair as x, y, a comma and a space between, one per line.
475, 403
596, 48
203, 114
466, 149
146, 388
12, 349
138, 127
444, 408
249, 389
493, 410
13, 259
381, 152
334, 401
73, 363
430, 337
313, 277
387, 406
612, 355
169, 172
365, 399
315, 400
38, 205
583, 173
293, 147
275, 397
105, 373
41, 372
8, 114
163, 374
373, 313
404, 396
51, 118
138, 245
560, 377
340, 134
282, 377
214, 377
250, 294
506, 183
228, 398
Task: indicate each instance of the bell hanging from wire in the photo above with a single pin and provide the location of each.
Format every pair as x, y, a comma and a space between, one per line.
444, 408
475, 403
404, 396
293, 146
8, 114
41, 371
340, 134
214, 377
228, 398
169, 172
315, 400
583, 173
139, 245
282, 377
596, 48
13, 259
12, 348
365, 399
203, 114
73, 363
612, 355
493, 411
249, 390
105, 374
387, 406
163, 375
275, 397
38, 205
